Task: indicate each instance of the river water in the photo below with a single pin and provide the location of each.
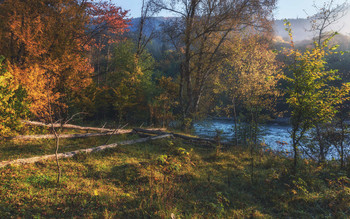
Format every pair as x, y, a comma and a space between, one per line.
275, 135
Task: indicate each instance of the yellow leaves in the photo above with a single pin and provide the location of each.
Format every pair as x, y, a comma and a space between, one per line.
34, 81
255, 72
95, 192
12, 104
46, 48
311, 95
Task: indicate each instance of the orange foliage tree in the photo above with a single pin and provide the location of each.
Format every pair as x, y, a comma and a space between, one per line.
48, 45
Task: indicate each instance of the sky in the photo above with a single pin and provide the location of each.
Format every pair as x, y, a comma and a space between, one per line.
285, 8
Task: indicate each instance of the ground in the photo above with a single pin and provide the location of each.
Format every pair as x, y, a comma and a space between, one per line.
169, 176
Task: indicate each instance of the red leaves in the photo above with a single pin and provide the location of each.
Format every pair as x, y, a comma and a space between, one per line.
107, 19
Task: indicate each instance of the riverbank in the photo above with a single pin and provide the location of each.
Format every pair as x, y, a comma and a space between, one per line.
173, 177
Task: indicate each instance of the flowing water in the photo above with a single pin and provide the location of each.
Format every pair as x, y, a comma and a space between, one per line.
276, 135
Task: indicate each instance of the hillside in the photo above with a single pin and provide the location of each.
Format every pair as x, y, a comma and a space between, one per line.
299, 27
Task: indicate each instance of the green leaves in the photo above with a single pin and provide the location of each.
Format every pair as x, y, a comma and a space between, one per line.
312, 98
12, 102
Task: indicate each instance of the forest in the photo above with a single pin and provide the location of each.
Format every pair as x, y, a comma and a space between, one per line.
98, 110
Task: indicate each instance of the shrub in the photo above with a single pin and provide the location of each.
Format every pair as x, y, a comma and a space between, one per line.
12, 102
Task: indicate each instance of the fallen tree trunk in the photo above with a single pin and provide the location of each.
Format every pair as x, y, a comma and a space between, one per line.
68, 126
51, 136
158, 132
72, 153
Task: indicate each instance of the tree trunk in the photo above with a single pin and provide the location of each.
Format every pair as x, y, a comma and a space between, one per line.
295, 149
186, 71
342, 143
68, 126
107, 65
235, 118
321, 144
59, 172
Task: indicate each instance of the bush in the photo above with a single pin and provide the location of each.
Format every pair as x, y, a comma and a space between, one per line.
12, 102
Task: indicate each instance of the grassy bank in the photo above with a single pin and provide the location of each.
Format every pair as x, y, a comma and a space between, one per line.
165, 177
16, 149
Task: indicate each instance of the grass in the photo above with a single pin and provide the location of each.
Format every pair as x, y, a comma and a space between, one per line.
164, 177
15, 149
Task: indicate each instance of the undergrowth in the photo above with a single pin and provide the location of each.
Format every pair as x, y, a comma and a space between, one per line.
168, 177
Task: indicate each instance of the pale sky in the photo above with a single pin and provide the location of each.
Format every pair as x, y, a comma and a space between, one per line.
285, 8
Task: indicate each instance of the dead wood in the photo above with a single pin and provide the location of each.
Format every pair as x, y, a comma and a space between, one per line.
51, 136
159, 132
68, 126
72, 153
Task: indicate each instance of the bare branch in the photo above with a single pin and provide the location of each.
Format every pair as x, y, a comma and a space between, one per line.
72, 117
325, 18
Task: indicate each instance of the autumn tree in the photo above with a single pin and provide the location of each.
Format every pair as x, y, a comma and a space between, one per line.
128, 83
108, 23
249, 79
312, 98
39, 51
48, 44
165, 101
324, 25
199, 34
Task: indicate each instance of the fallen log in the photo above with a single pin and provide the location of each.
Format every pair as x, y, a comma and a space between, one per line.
51, 136
72, 153
158, 132
68, 126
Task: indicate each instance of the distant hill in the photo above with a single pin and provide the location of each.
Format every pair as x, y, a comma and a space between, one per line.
153, 23
299, 27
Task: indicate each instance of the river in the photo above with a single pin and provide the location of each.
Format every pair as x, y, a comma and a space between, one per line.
275, 134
